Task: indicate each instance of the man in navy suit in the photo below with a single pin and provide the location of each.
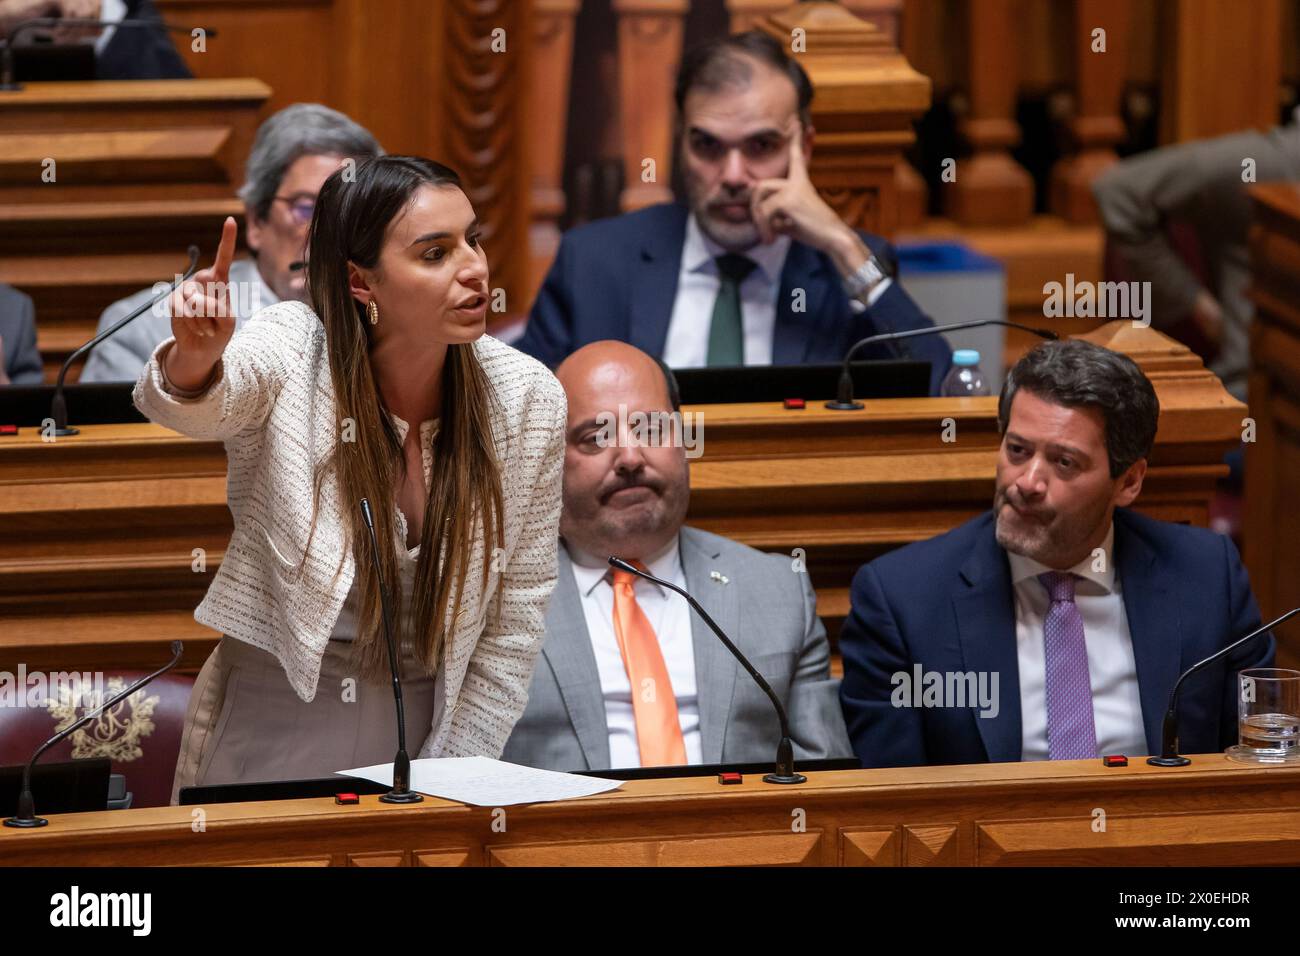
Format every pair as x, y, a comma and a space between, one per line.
756, 269
20, 359
1054, 626
137, 53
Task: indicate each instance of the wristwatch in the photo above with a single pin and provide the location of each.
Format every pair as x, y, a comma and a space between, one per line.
860, 283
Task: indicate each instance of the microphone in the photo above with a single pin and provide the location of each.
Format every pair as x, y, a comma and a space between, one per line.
401, 792
7, 82
844, 401
1169, 756
784, 771
26, 818
58, 406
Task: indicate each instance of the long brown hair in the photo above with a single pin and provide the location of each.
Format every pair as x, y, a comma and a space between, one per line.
353, 212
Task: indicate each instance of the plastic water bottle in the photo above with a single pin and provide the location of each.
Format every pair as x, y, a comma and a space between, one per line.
964, 378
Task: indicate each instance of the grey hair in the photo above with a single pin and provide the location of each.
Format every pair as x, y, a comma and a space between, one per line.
1076, 373
303, 129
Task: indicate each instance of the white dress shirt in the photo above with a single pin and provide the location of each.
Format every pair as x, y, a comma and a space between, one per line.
1112, 670
670, 616
687, 344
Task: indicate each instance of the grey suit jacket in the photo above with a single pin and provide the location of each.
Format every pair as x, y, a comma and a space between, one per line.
18, 333
1200, 183
769, 611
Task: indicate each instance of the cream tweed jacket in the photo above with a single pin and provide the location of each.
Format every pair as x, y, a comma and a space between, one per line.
272, 404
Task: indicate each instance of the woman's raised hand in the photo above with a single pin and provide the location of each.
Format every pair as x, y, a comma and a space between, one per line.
203, 317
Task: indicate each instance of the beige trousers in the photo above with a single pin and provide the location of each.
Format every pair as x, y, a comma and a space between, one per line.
244, 723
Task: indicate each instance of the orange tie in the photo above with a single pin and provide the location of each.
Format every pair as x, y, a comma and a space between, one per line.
658, 731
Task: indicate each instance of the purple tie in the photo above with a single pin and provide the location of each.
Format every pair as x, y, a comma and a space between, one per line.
1071, 734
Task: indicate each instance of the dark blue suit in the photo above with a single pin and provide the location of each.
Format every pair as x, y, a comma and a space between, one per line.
947, 603
139, 53
18, 338
617, 279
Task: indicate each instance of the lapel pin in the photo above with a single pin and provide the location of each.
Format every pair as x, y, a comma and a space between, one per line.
719, 577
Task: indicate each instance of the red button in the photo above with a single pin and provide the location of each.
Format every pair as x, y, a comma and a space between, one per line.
730, 777
794, 403
1115, 760
346, 798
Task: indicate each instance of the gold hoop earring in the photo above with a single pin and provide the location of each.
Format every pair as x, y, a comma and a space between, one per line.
372, 311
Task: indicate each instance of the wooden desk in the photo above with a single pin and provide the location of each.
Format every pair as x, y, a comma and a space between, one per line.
101, 529
142, 168
1213, 812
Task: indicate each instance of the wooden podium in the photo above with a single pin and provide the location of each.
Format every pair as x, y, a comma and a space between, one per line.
103, 185
1213, 812
113, 536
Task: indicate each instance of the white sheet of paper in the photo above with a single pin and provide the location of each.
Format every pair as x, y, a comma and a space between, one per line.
484, 782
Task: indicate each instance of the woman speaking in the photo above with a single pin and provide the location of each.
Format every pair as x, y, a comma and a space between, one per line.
315, 409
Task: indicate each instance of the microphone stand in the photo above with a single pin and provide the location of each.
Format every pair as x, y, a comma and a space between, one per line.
784, 771
844, 401
1169, 756
26, 818
10, 85
58, 405
401, 792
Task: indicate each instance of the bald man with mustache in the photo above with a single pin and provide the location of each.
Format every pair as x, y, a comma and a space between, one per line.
629, 676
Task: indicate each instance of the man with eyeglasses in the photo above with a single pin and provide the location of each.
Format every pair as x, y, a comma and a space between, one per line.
293, 154
755, 268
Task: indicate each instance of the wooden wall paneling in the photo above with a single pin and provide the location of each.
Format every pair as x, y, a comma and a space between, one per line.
649, 51
885, 15
291, 45
909, 185
991, 188
1271, 530
1095, 126
1289, 31
1222, 67
401, 66
1145, 42
747, 14
484, 137
1044, 41
546, 117
931, 39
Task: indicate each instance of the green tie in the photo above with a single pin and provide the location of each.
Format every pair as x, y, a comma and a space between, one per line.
727, 330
